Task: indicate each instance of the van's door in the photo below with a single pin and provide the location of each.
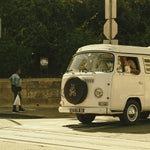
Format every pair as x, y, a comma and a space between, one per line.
127, 82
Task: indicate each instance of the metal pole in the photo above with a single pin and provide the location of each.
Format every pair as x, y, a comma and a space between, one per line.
110, 20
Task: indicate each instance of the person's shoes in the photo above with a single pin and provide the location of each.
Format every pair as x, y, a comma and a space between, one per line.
21, 109
14, 109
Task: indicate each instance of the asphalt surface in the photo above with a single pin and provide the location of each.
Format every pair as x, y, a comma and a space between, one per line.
44, 128
33, 113
105, 133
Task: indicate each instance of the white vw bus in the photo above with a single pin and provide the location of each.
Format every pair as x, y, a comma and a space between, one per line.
107, 80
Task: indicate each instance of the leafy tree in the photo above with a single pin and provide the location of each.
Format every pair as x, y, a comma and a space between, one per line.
32, 29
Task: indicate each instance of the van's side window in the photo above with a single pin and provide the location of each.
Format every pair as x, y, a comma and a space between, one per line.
147, 65
128, 65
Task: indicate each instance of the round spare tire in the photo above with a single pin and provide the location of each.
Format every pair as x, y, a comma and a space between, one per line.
75, 90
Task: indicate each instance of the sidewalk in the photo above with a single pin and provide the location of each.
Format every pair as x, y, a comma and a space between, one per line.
33, 113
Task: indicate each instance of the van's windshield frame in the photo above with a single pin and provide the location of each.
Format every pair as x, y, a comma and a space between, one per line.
92, 62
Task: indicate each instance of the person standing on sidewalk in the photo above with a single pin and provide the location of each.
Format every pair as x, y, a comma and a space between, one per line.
16, 88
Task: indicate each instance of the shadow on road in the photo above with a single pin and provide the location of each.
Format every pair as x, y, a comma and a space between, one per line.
18, 116
33, 113
142, 127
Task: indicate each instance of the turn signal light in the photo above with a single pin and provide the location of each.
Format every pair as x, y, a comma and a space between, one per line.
103, 103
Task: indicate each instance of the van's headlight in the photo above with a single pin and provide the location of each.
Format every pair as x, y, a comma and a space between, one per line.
98, 92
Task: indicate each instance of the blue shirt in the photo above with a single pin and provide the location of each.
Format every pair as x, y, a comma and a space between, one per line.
15, 80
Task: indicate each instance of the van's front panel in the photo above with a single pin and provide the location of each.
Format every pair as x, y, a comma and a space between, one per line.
98, 94
95, 70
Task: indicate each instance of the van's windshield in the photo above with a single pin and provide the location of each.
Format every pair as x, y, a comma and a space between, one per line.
92, 62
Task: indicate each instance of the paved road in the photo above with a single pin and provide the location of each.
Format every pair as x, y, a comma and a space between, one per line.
106, 133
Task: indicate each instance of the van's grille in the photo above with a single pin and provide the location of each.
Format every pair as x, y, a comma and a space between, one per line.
89, 80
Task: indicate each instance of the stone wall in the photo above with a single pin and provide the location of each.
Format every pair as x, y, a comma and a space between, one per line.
35, 92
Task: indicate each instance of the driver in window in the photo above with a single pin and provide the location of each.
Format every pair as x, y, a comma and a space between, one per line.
129, 66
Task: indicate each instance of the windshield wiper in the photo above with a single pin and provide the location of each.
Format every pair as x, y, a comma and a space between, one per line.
84, 70
69, 70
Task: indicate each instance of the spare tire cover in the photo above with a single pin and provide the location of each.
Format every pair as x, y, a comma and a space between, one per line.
75, 90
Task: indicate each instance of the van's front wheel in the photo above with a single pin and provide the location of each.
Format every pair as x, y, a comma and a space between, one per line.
85, 118
131, 113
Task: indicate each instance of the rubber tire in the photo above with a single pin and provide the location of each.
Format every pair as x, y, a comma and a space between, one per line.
124, 117
80, 88
85, 118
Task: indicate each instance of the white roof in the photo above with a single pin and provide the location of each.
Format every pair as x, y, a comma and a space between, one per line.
116, 49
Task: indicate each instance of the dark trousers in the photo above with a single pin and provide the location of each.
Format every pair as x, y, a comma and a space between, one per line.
15, 90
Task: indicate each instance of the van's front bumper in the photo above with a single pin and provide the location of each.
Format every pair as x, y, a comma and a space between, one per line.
84, 110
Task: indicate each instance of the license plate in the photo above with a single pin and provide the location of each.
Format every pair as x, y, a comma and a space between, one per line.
76, 110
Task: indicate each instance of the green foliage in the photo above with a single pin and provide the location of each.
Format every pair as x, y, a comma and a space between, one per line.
133, 20
32, 29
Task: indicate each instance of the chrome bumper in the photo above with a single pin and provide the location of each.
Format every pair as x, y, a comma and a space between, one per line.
83, 110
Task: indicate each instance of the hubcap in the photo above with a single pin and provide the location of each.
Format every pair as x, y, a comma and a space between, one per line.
132, 113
